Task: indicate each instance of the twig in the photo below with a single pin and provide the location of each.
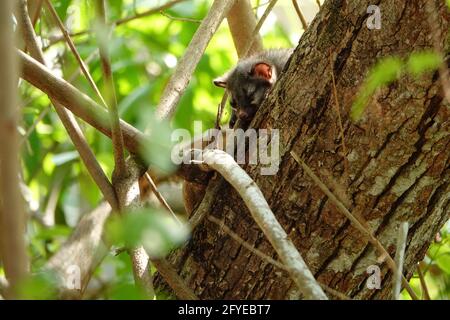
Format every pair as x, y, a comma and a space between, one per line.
68, 120
255, 33
83, 66
341, 128
123, 20
12, 214
187, 64
264, 217
359, 225
204, 207
77, 102
164, 268
220, 110
120, 169
300, 15
35, 123
423, 284
179, 18
34, 8
174, 280
160, 197
245, 244
147, 12
399, 258
46, 109
141, 270
265, 257
242, 22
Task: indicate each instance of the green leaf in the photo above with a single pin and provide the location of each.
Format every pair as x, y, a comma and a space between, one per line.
383, 73
420, 62
40, 286
157, 231
126, 291
53, 232
443, 261
158, 146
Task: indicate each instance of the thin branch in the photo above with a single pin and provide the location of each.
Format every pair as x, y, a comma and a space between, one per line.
399, 259
84, 68
164, 268
174, 280
300, 15
12, 214
187, 64
265, 257
220, 109
341, 128
245, 244
35, 123
160, 197
68, 120
34, 8
359, 225
77, 102
255, 33
203, 208
122, 20
140, 262
264, 217
120, 169
423, 283
242, 22
46, 109
147, 12
183, 19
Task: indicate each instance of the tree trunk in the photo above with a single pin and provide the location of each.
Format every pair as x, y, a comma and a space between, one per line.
397, 165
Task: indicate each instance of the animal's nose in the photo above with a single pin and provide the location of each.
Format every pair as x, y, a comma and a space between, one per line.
242, 115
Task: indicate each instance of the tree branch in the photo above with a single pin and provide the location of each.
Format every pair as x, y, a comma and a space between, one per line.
77, 102
12, 215
123, 20
117, 138
300, 14
242, 22
68, 120
399, 259
187, 64
83, 66
264, 217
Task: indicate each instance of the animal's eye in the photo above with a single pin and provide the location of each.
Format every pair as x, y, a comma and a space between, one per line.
233, 103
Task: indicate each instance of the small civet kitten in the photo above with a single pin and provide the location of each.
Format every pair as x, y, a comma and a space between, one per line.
249, 82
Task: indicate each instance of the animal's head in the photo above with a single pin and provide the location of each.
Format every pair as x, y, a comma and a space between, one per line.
247, 85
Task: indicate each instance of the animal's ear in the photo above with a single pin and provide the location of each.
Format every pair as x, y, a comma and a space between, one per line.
262, 70
221, 81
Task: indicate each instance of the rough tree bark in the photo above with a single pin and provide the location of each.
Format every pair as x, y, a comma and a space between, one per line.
397, 158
